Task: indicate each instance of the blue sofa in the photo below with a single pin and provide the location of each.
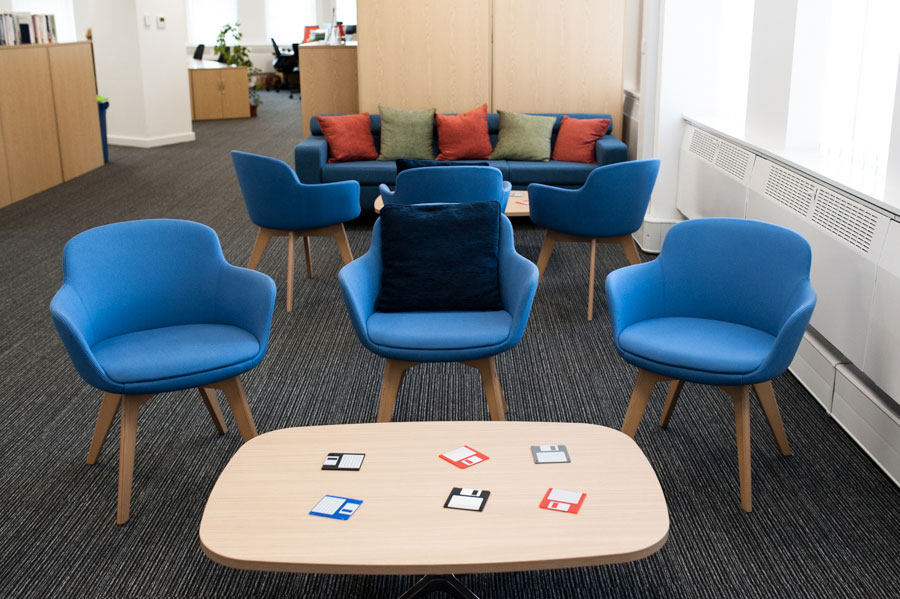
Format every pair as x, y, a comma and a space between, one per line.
311, 161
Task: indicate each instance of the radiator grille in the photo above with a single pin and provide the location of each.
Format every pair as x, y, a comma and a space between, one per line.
733, 160
704, 145
844, 218
793, 191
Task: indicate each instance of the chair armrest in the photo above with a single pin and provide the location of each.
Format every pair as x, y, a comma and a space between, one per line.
310, 156
326, 203
791, 333
360, 283
518, 284
548, 205
387, 196
610, 150
73, 324
634, 293
246, 298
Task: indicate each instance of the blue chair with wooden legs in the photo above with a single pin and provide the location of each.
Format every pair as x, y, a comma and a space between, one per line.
726, 303
406, 339
608, 208
152, 306
448, 185
281, 206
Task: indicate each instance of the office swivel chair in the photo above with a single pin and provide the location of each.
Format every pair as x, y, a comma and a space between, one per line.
287, 66
198, 53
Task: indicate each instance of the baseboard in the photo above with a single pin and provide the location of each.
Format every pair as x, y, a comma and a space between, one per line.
652, 232
150, 142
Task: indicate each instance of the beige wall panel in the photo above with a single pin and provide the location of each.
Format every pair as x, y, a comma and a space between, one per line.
418, 54
75, 98
206, 98
560, 56
5, 196
235, 93
28, 121
328, 80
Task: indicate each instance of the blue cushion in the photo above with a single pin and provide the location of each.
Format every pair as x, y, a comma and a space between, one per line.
439, 330
440, 257
174, 351
555, 172
404, 164
698, 344
370, 172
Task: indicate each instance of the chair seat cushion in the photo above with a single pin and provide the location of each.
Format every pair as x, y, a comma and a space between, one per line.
439, 330
171, 352
698, 344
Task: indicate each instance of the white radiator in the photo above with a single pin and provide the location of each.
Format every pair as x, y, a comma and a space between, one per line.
882, 359
814, 366
713, 175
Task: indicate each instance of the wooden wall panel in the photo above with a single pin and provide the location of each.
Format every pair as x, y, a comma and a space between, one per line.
560, 56
28, 121
75, 98
328, 81
418, 54
5, 196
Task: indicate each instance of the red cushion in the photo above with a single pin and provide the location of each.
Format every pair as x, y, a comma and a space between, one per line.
575, 142
349, 137
464, 136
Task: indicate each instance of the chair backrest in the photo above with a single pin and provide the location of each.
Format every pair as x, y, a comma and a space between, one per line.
198, 53
145, 274
270, 187
275, 46
616, 196
736, 270
449, 184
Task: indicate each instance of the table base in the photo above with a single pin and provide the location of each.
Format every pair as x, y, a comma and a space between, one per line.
448, 583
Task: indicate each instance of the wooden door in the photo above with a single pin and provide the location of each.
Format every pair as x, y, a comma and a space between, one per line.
75, 99
28, 120
207, 94
235, 93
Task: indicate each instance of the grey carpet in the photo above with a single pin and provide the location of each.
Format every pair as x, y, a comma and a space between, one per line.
826, 522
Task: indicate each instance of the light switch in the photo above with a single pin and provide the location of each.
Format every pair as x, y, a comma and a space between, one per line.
160, 22
148, 21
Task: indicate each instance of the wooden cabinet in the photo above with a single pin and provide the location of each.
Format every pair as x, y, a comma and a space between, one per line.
218, 91
49, 126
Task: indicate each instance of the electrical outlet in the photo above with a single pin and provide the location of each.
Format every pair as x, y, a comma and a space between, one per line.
160, 22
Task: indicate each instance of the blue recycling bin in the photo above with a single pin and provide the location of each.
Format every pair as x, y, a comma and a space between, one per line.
102, 105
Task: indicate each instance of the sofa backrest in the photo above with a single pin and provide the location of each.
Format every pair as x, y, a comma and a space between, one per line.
493, 125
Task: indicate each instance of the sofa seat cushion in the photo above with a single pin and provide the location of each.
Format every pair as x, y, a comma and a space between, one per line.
366, 172
698, 344
439, 330
550, 173
171, 352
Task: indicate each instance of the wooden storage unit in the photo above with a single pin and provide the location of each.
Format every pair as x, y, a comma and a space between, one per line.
328, 79
218, 91
49, 125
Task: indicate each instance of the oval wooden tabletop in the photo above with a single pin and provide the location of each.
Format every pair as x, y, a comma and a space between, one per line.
516, 206
257, 516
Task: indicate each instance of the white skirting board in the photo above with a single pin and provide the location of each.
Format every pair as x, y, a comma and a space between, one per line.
150, 142
814, 366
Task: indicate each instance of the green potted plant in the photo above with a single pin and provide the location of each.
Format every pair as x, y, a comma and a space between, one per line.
239, 55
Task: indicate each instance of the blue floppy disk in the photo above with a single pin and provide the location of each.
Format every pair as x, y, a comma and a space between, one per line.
339, 508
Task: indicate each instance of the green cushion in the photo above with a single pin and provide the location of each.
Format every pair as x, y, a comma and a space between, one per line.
406, 134
523, 137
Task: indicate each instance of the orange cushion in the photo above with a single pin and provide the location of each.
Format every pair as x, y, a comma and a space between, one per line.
464, 136
349, 137
575, 142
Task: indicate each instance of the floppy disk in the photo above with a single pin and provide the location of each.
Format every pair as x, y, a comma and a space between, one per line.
467, 499
562, 501
463, 457
339, 508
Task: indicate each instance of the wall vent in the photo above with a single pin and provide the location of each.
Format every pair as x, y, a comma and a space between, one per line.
734, 160
793, 191
845, 218
704, 145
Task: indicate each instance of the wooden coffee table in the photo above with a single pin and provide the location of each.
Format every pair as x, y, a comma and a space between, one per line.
257, 516
516, 206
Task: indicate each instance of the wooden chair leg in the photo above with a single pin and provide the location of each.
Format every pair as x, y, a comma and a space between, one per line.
309, 273
131, 405
630, 249
240, 409
640, 395
591, 280
671, 400
108, 408
212, 404
490, 380
741, 397
546, 250
259, 247
340, 236
290, 271
390, 386
766, 396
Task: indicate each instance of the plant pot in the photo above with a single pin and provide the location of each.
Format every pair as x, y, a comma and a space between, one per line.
253, 110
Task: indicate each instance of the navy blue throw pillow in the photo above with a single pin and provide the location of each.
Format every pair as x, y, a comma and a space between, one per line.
440, 257
404, 164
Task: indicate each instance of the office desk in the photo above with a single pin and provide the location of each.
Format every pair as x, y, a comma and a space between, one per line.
218, 90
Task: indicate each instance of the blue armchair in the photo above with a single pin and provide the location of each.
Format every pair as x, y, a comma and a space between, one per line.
280, 205
152, 306
608, 208
448, 184
409, 338
726, 303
